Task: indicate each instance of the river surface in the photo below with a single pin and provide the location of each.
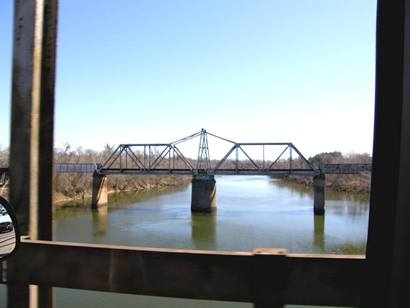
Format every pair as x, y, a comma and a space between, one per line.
252, 212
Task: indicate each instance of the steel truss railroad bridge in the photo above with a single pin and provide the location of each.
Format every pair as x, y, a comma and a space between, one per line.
169, 158
239, 159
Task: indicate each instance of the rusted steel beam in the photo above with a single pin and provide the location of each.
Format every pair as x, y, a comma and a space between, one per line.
268, 276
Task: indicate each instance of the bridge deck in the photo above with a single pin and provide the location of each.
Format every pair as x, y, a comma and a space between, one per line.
91, 168
274, 172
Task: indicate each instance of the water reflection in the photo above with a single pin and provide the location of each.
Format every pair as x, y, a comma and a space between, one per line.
100, 221
319, 231
345, 209
118, 200
64, 212
299, 190
203, 230
125, 199
303, 191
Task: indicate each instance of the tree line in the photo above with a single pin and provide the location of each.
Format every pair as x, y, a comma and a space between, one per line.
79, 185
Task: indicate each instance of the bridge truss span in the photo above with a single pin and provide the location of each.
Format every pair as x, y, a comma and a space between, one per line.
231, 158
275, 159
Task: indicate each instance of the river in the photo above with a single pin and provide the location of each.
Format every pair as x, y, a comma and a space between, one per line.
252, 212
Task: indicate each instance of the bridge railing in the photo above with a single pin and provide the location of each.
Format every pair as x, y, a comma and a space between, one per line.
233, 168
76, 168
345, 168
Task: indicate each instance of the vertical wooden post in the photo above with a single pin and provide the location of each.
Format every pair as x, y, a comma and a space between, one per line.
32, 126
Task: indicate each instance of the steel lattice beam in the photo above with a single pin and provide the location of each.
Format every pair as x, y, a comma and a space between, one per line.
167, 158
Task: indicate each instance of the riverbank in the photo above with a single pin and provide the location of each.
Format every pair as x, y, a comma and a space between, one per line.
132, 185
350, 183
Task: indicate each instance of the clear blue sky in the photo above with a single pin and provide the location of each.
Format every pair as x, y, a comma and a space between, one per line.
157, 70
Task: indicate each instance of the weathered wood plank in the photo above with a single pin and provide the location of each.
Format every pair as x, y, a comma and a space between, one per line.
325, 280
261, 277
32, 129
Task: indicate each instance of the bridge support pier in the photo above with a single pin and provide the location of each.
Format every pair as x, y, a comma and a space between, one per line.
100, 191
319, 182
203, 193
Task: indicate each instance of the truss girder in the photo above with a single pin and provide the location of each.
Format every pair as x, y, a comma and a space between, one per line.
152, 158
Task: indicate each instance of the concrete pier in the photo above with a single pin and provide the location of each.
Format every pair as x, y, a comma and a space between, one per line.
319, 194
203, 193
100, 191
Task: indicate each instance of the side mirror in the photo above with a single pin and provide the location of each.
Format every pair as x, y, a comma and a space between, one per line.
9, 233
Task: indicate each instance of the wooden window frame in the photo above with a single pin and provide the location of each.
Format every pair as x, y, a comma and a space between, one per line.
381, 276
